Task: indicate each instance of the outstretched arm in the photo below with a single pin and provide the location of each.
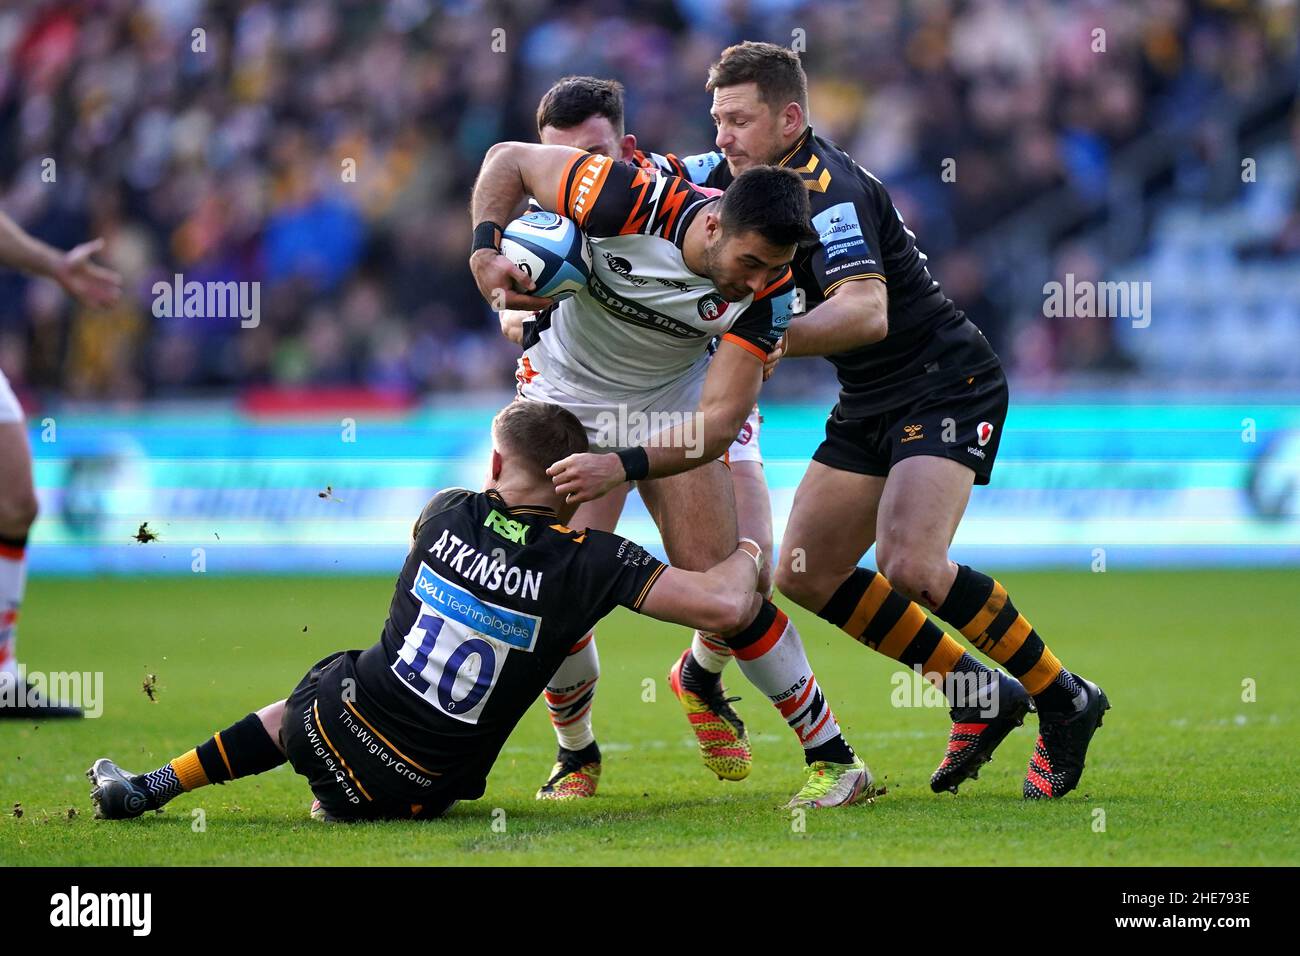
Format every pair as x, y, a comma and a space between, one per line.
722, 599
87, 282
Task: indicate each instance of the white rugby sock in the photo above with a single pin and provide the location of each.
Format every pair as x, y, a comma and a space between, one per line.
710, 652
570, 692
771, 656
13, 578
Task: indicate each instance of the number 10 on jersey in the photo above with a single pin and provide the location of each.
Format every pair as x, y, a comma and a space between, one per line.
452, 668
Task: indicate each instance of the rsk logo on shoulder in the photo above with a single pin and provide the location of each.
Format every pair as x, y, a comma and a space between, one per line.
508, 528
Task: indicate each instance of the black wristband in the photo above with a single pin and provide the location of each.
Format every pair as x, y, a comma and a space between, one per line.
635, 462
485, 237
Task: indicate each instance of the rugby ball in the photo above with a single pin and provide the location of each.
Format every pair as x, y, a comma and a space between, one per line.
552, 250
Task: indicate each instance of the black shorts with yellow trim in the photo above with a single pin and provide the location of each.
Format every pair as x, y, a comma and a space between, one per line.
346, 791
961, 421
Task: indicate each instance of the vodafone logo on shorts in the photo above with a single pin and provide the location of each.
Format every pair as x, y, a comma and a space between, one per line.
746, 434
983, 433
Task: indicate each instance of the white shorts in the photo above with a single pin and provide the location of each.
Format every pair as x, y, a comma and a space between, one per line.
745, 447
627, 421
10, 410
606, 422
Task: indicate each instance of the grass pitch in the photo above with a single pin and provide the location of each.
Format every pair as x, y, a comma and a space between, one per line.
1184, 771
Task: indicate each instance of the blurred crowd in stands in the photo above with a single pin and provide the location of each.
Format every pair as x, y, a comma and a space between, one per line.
214, 140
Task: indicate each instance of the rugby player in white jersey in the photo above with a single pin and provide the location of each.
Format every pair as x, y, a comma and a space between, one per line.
92, 285
586, 113
673, 267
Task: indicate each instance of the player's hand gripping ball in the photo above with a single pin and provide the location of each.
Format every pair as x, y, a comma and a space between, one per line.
543, 258
550, 250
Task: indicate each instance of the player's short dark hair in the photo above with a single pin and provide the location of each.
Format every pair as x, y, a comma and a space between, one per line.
575, 99
539, 433
775, 70
771, 201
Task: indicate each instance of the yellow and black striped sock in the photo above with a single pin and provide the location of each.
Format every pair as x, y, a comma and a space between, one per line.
870, 611
979, 607
240, 750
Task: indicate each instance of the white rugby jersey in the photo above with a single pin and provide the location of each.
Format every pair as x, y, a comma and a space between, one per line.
644, 319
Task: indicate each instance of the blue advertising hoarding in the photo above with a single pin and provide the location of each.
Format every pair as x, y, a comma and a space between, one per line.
1141, 484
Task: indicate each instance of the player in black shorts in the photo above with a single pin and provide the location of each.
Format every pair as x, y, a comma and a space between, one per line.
490, 600
920, 415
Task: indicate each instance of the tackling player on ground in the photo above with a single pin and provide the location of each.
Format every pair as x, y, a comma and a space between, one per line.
493, 594
922, 404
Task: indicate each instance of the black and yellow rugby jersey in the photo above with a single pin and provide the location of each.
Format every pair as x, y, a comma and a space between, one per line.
487, 606
862, 236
